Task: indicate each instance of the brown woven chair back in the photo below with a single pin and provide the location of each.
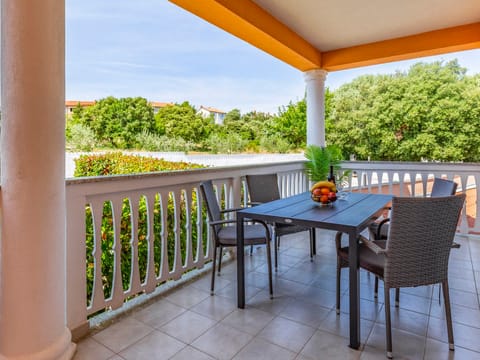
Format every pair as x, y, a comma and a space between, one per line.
421, 235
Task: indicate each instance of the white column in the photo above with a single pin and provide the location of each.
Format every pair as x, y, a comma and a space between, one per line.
32, 255
315, 88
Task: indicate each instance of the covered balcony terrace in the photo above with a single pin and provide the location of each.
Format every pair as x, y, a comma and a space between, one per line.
46, 296
179, 319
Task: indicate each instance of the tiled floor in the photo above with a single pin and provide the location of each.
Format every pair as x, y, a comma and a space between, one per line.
300, 322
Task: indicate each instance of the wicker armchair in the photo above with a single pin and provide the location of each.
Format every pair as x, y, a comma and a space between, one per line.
264, 188
225, 232
416, 252
441, 187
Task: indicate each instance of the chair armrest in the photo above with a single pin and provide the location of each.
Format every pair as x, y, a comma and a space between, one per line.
220, 222
261, 222
379, 228
230, 210
372, 246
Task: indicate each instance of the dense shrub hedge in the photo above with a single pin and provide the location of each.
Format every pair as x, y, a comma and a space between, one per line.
117, 163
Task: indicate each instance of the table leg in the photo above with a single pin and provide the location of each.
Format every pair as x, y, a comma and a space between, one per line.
240, 264
354, 280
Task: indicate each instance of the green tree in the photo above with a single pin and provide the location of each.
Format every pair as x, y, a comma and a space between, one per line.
430, 112
182, 121
239, 132
291, 123
116, 122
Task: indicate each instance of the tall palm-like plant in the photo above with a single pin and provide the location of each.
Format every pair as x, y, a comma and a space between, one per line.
319, 160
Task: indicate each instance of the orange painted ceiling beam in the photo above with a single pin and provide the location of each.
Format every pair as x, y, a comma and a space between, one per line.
459, 38
249, 22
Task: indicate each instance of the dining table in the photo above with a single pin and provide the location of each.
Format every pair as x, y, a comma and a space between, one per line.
350, 215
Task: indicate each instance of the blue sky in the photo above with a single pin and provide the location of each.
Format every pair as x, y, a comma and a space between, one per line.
153, 49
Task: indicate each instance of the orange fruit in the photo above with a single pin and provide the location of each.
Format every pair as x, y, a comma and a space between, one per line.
325, 191
324, 199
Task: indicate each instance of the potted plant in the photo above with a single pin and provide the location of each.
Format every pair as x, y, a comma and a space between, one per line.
319, 161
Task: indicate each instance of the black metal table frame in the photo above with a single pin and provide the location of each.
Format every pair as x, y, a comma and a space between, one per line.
352, 229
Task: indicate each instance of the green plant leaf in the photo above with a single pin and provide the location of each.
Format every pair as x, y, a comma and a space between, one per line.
319, 161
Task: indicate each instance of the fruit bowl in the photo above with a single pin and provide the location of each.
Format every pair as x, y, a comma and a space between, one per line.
324, 192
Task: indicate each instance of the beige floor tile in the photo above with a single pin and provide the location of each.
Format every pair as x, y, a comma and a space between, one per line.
418, 304
460, 314
464, 336
222, 342
158, 313
369, 310
461, 273
251, 321
190, 353
257, 280
263, 302
406, 320
461, 283
305, 313
327, 283
204, 282
284, 259
404, 344
261, 349
373, 353
323, 345
303, 357
422, 291
156, 346
462, 298
340, 325
436, 350
320, 297
89, 349
188, 326
230, 291
122, 334
215, 307
287, 287
286, 333
188, 296
299, 275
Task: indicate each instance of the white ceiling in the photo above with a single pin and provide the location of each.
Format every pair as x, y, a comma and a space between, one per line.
336, 24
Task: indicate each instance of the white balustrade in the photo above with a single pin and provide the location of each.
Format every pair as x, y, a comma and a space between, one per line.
185, 228
397, 178
172, 208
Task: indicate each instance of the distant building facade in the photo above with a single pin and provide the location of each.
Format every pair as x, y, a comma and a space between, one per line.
158, 105
218, 115
72, 104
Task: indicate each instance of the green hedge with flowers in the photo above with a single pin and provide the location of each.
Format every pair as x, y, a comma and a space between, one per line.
116, 164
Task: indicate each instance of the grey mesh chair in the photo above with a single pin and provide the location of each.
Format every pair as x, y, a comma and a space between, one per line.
264, 188
225, 232
416, 252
